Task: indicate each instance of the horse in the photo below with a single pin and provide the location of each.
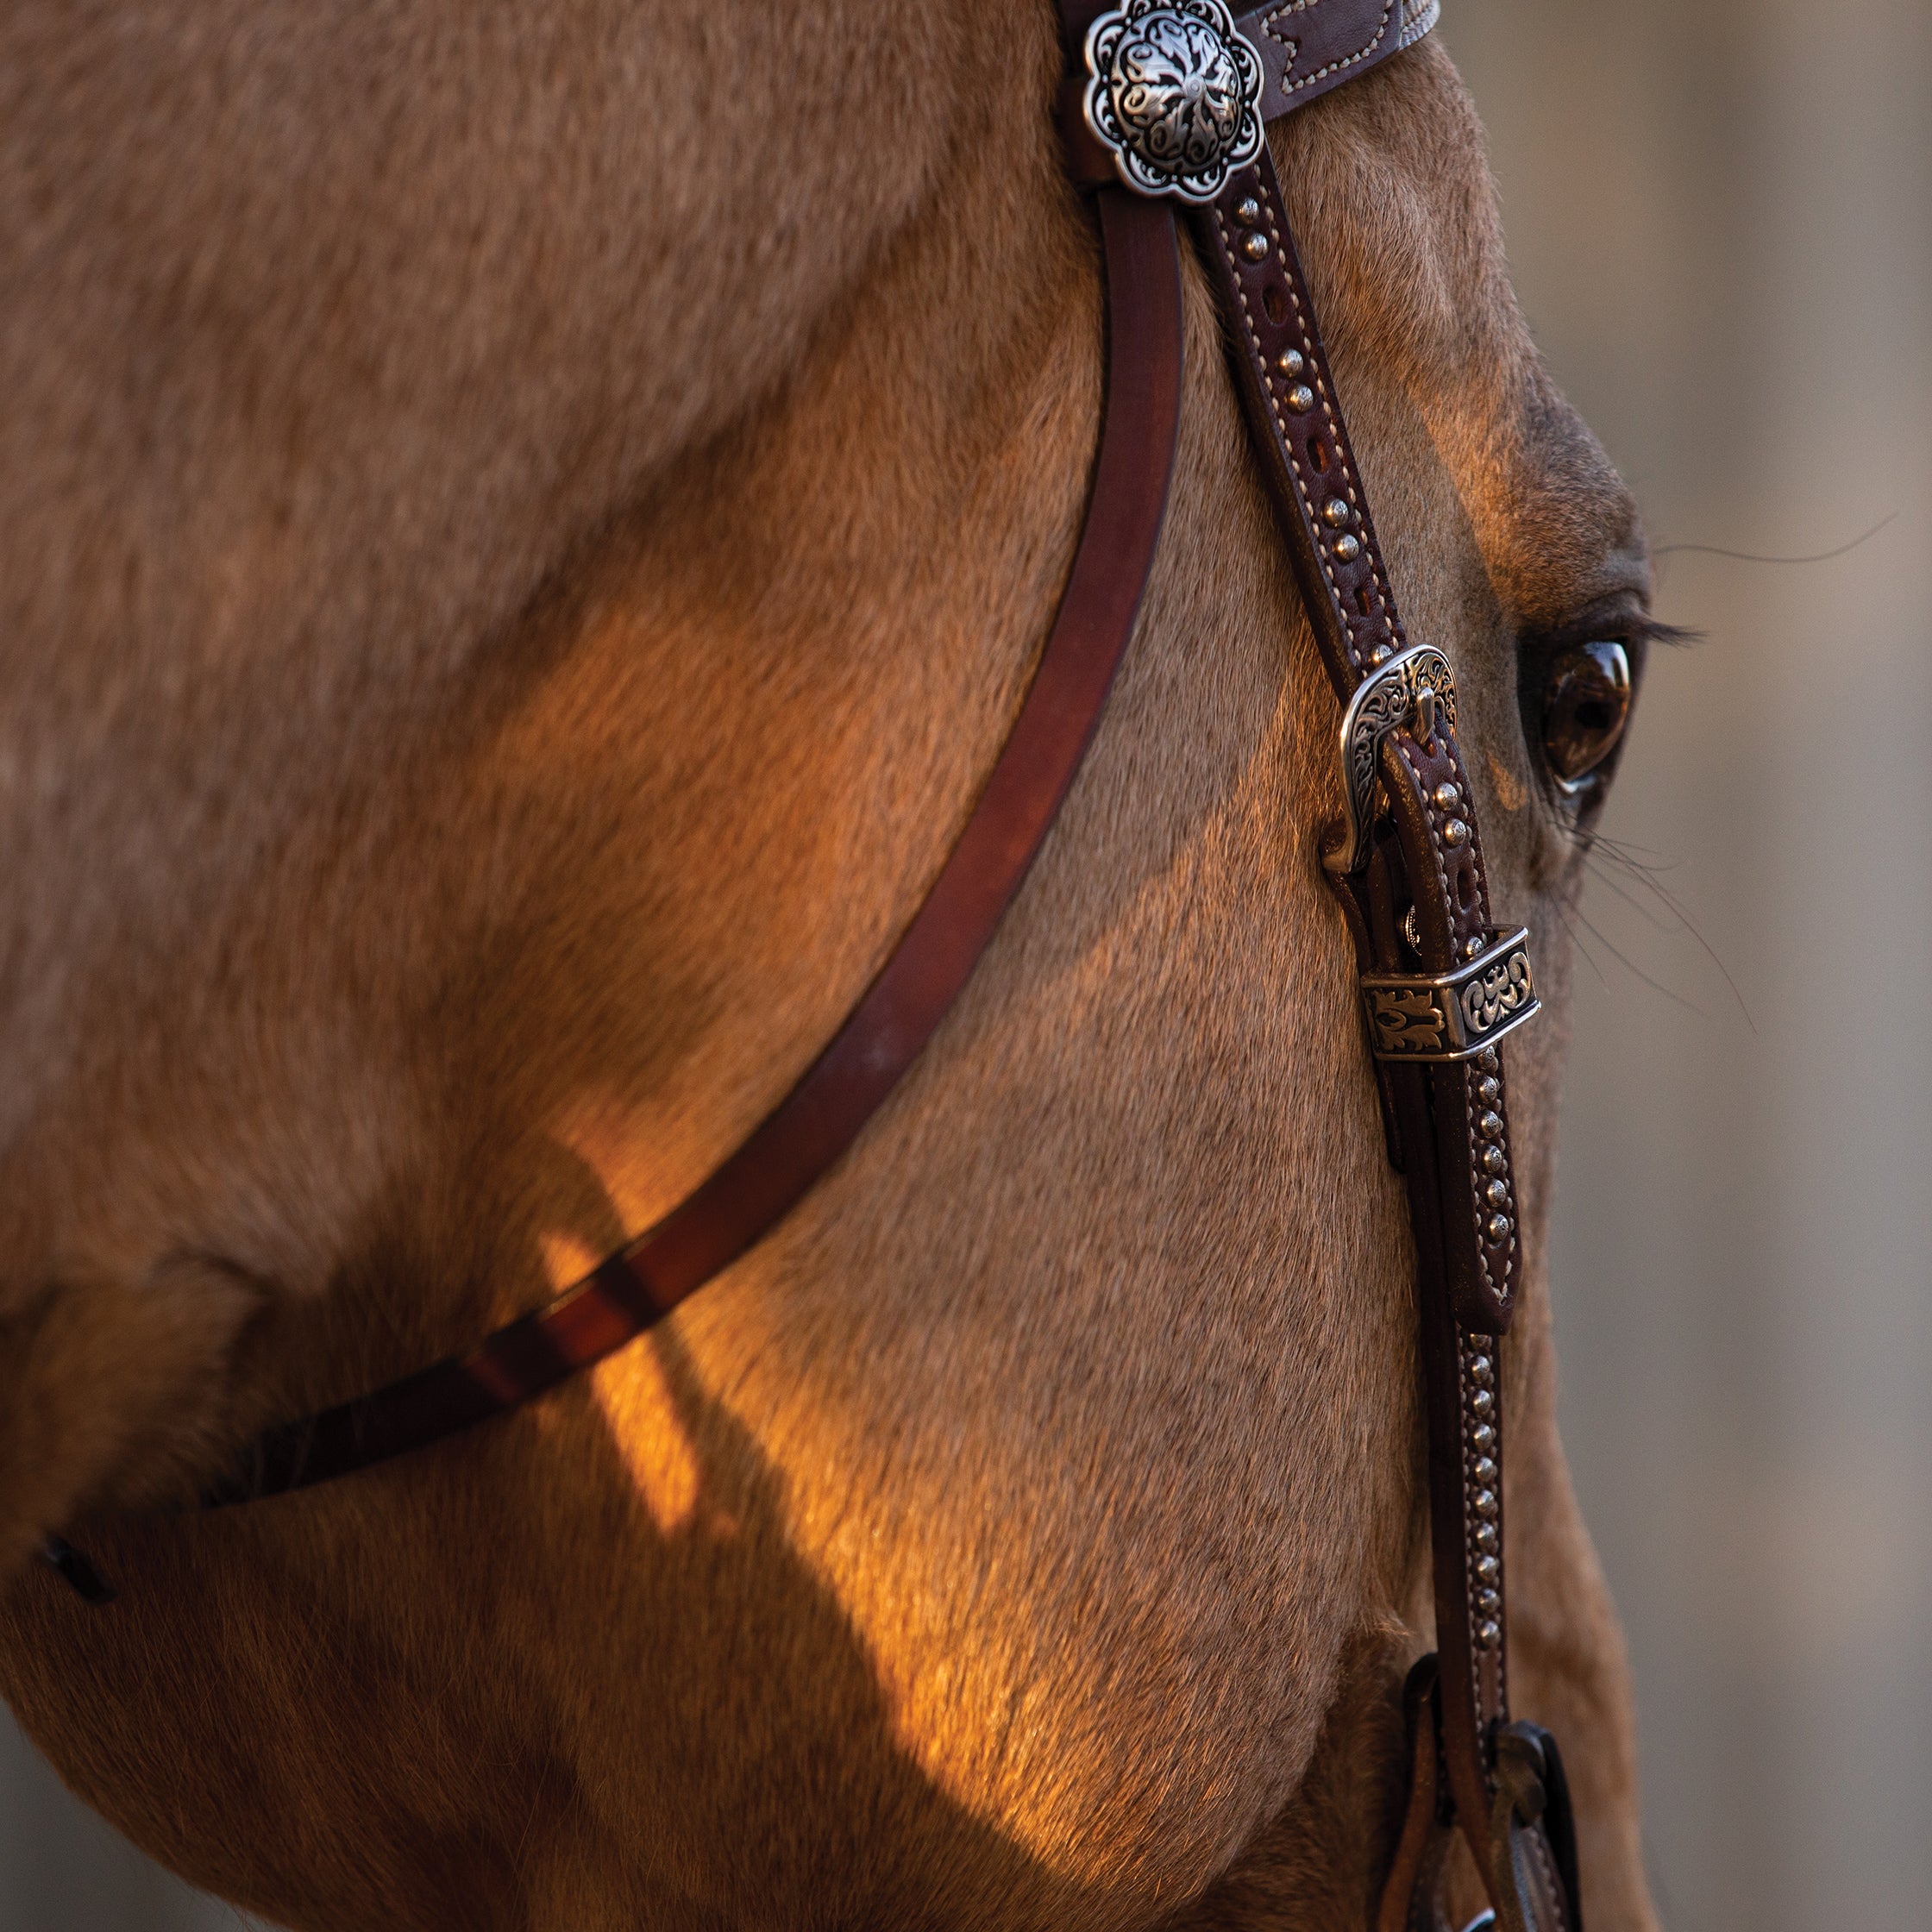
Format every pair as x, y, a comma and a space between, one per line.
521, 534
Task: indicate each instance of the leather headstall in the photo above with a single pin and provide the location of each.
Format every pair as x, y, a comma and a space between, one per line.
1165, 111
1442, 985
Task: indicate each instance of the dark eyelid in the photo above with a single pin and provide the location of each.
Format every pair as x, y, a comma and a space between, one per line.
1621, 615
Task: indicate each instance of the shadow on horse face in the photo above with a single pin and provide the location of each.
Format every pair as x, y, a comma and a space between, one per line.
412, 1773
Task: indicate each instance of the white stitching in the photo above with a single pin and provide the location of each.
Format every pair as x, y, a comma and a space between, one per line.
1469, 1112
1317, 363
1465, 1345
1502, 1079
1334, 66
1268, 28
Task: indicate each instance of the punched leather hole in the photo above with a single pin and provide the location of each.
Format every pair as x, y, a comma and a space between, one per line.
1274, 299
1318, 457
1465, 886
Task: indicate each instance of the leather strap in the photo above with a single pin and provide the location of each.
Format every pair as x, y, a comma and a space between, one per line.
1421, 906
788, 1153
1307, 46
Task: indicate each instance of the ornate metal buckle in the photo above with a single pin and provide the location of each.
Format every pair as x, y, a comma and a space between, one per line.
1174, 96
1384, 700
1453, 1016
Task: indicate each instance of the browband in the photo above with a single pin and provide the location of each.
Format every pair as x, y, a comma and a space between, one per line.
1441, 984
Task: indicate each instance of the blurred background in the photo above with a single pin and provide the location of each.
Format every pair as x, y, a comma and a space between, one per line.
1720, 217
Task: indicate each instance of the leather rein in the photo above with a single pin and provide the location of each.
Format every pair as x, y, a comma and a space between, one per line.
1164, 112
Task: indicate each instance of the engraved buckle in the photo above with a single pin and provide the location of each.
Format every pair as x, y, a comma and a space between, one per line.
1383, 702
1174, 95
1453, 1016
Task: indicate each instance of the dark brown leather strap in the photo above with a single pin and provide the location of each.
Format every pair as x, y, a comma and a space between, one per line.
1301, 442
1420, 908
1307, 46
1415, 1877
825, 1112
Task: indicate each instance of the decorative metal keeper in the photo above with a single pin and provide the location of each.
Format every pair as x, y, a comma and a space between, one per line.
1453, 1016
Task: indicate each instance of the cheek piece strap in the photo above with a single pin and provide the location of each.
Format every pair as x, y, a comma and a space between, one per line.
1442, 984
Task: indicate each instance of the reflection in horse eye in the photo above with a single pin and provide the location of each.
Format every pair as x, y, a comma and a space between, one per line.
1586, 702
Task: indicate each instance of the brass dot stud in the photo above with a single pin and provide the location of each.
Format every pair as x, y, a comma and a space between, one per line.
1291, 362
1487, 1540
1488, 1634
1495, 1160
1486, 1504
1489, 1090
1472, 946
1455, 833
1247, 211
1336, 514
1379, 656
1347, 547
1490, 1126
1482, 1371
1487, 1060
1485, 1438
1485, 1472
1446, 797
1498, 1229
1300, 399
1255, 246
1498, 1192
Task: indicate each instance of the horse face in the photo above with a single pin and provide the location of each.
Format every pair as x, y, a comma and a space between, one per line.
527, 595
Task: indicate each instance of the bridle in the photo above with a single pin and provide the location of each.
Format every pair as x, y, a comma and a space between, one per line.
1165, 111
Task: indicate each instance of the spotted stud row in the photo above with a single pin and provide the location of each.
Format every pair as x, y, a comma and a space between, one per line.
1485, 1501
1501, 1223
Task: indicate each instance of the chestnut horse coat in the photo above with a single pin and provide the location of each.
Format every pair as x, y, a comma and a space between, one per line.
521, 533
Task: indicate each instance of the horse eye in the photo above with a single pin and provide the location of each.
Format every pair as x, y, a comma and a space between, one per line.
1586, 703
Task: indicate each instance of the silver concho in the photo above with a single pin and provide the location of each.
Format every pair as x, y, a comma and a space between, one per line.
1174, 96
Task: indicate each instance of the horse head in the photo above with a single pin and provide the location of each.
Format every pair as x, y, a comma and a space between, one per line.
520, 537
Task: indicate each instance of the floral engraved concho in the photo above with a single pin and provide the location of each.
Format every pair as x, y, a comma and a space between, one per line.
1176, 95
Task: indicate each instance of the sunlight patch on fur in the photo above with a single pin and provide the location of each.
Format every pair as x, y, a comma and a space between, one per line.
631, 1390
